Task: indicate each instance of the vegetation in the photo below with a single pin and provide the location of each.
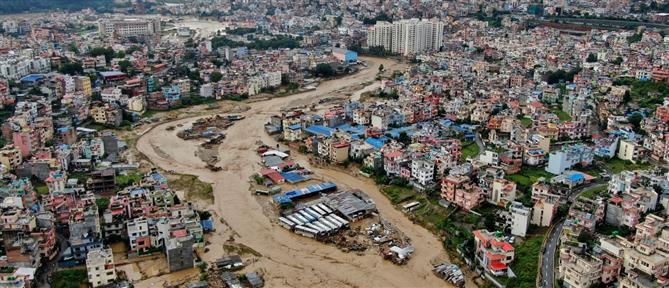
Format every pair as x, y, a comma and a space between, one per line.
525, 263
102, 203
380, 17
42, 189
69, 278
324, 70
561, 114
126, 180
216, 76
594, 192
528, 176
194, 187
635, 38
591, 58
469, 149
647, 93
526, 122
277, 42
71, 68
560, 75
616, 165
27, 6
241, 31
398, 194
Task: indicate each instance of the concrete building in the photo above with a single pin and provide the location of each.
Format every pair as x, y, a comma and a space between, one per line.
129, 27
138, 235
545, 208
569, 156
422, 170
631, 151
520, 218
493, 254
503, 191
10, 157
579, 271
100, 267
408, 36
179, 250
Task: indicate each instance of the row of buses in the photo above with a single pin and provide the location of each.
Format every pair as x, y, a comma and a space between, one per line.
314, 221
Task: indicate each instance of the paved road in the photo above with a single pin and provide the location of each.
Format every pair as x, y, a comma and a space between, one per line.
548, 256
548, 263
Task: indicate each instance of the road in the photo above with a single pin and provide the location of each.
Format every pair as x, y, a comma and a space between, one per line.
548, 258
548, 265
289, 260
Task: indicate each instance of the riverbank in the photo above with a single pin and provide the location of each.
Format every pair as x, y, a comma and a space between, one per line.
289, 260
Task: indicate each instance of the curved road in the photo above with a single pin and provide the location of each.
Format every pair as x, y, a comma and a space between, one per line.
287, 259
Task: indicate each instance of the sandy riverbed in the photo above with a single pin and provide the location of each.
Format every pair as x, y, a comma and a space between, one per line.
290, 260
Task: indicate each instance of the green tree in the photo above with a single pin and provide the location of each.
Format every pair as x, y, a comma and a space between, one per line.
591, 58
216, 76
124, 65
324, 69
404, 138
72, 68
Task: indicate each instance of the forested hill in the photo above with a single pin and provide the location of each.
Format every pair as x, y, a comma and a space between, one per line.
26, 6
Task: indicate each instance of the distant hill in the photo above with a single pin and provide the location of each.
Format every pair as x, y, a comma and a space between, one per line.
26, 6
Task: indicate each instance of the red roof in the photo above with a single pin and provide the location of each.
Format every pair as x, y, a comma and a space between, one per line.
496, 265
179, 233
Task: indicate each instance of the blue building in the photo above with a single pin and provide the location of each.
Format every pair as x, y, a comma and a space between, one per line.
346, 56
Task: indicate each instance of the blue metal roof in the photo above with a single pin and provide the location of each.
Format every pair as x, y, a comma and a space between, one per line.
319, 130
32, 78
288, 197
295, 127
377, 143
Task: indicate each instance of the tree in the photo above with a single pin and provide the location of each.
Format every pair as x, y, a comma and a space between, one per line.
592, 58
324, 69
635, 119
73, 68
381, 68
404, 138
216, 76
124, 65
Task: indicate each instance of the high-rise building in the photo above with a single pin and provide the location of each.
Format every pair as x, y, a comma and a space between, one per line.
408, 36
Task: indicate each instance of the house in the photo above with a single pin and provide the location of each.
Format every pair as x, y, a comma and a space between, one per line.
138, 235
631, 151
493, 254
422, 170
338, 152
544, 210
293, 133
579, 271
503, 192
460, 191
100, 267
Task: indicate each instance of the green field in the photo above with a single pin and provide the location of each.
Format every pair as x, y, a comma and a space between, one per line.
561, 114
616, 165
529, 175
469, 149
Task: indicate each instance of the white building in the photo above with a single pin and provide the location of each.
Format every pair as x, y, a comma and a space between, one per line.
111, 95
138, 231
100, 267
408, 36
422, 170
564, 159
129, 27
520, 218
16, 66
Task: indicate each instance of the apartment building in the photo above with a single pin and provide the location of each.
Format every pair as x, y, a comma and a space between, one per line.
408, 36
100, 267
503, 192
520, 218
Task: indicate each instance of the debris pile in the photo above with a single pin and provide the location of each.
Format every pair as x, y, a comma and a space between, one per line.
208, 127
451, 273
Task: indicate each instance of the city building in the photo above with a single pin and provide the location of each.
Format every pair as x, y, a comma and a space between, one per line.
100, 267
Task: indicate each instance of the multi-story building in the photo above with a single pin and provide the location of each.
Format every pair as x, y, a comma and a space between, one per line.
569, 156
631, 151
138, 235
520, 218
503, 191
460, 191
100, 267
10, 157
408, 36
493, 254
130, 27
422, 170
579, 271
